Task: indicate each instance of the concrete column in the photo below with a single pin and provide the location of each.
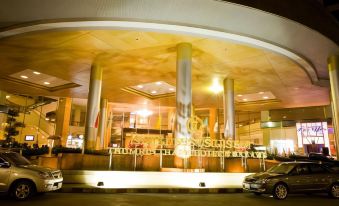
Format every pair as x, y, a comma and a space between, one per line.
102, 122
265, 117
229, 112
93, 106
63, 116
333, 68
183, 94
76, 117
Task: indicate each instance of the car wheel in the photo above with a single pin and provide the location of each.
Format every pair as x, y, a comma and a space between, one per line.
22, 190
334, 190
280, 191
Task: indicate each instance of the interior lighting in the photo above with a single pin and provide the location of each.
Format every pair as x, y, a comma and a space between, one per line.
158, 83
171, 89
244, 99
265, 97
140, 86
24, 77
144, 112
7, 96
153, 92
47, 83
216, 87
37, 73
239, 95
261, 92
270, 124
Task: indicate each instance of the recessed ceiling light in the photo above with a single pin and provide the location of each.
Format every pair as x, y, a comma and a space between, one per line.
153, 92
261, 92
7, 96
240, 125
37, 73
24, 77
265, 97
158, 83
47, 83
140, 86
244, 99
239, 95
171, 89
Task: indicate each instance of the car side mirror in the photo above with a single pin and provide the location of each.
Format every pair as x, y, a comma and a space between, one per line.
5, 165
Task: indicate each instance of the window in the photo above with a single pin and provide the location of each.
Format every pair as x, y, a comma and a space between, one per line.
316, 169
302, 169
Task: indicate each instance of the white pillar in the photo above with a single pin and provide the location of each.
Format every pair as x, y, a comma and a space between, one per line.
93, 106
183, 95
229, 112
102, 122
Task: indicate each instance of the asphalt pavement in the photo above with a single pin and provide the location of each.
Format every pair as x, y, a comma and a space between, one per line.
155, 199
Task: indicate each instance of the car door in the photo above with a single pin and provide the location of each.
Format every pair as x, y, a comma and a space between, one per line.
4, 175
321, 177
300, 178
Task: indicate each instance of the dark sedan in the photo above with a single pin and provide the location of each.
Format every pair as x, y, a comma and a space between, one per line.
294, 177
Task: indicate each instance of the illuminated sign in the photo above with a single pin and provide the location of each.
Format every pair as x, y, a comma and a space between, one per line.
312, 133
198, 153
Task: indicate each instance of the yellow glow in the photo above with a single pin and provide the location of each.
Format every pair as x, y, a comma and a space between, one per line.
47, 83
244, 99
37, 73
144, 113
24, 77
7, 96
216, 87
158, 179
183, 151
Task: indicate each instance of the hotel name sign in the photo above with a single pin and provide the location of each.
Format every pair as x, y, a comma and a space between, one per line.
194, 153
195, 145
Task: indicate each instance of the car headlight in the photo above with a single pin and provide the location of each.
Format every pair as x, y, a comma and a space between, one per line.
45, 175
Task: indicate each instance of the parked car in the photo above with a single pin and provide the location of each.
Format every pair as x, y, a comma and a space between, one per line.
294, 177
20, 179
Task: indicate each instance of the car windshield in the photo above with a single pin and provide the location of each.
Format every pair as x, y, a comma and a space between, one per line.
281, 169
15, 158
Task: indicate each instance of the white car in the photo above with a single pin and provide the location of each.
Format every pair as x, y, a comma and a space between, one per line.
20, 179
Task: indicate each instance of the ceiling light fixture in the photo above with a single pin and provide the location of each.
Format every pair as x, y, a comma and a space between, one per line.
47, 83
244, 99
171, 89
140, 86
265, 97
24, 77
239, 95
7, 96
216, 87
153, 92
37, 73
158, 83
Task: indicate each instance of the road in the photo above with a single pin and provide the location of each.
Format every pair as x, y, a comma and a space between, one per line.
234, 199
